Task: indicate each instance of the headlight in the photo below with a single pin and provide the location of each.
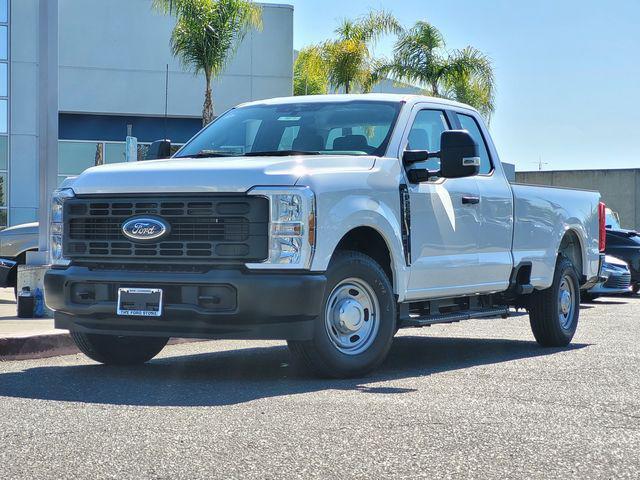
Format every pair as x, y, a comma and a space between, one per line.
291, 227
56, 227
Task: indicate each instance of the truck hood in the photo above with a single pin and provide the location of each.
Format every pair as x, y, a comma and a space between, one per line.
237, 174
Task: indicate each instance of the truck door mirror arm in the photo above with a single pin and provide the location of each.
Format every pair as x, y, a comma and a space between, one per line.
459, 157
419, 175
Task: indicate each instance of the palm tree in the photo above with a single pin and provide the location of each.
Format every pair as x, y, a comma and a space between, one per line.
206, 35
347, 61
464, 75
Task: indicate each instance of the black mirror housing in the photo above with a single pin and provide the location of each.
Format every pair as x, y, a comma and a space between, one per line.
409, 157
459, 154
159, 149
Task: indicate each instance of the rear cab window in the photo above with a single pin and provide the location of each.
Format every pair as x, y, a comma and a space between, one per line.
468, 123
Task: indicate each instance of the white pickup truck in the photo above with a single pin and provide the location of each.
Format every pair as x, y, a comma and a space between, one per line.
326, 221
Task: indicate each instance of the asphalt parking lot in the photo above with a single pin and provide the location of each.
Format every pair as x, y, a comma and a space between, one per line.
472, 400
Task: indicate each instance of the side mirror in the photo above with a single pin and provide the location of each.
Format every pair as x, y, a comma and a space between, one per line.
159, 149
459, 156
409, 157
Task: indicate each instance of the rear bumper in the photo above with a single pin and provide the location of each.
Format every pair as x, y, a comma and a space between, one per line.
216, 304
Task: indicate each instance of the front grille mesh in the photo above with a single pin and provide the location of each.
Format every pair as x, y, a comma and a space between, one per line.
211, 228
618, 281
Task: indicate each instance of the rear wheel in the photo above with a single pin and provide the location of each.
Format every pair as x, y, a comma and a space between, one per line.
636, 288
353, 334
117, 350
554, 312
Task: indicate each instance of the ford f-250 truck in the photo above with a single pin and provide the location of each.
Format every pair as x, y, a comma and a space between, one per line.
327, 221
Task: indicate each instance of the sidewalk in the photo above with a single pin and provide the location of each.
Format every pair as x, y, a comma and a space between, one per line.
25, 338
22, 338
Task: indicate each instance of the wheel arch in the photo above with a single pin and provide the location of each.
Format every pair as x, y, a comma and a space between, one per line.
372, 242
20, 259
572, 247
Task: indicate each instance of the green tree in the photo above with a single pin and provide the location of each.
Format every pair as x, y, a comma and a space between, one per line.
207, 34
347, 61
464, 75
309, 72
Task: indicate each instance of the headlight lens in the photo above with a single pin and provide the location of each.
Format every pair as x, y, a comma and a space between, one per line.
56, 227
291, 227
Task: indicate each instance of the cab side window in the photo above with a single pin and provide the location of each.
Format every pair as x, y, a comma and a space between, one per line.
425, 135
469, 124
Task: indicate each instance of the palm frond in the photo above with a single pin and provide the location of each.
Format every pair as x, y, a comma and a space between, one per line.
376, 23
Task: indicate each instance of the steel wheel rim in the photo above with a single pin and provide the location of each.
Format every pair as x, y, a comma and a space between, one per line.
566, 307
352, 316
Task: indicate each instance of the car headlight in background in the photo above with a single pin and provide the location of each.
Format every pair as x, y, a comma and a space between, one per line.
56, 227
292, 227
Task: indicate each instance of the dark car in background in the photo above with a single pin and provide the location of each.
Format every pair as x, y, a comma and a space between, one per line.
624, 244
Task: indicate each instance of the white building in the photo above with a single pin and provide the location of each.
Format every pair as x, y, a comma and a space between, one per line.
112, 60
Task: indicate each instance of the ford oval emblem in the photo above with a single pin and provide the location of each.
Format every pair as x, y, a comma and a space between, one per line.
145, 228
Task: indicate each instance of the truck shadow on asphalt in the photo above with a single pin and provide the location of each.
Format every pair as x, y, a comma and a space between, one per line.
238, 376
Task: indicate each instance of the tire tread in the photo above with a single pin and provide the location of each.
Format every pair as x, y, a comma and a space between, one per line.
543, 310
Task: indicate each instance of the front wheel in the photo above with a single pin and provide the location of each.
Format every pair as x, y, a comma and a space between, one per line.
118, 350
554, 312
354, 332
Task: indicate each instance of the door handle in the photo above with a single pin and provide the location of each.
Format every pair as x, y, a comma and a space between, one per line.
470, 200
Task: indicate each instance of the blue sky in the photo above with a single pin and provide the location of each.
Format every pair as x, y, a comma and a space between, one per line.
568, 71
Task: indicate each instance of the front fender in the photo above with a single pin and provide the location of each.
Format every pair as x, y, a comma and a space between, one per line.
337, 218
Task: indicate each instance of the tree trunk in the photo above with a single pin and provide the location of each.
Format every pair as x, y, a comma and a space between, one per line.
434, 88
207, 108
347, 86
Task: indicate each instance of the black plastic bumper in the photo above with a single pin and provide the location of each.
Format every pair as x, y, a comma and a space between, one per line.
216, 304
7, 271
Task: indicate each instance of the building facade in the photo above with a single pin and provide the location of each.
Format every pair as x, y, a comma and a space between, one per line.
112, 60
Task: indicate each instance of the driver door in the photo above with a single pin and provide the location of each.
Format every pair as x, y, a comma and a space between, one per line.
444, 219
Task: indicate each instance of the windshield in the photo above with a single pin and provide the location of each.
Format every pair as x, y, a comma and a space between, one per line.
611, 220
346, 128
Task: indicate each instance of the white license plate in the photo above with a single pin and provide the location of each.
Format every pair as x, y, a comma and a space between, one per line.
139, 302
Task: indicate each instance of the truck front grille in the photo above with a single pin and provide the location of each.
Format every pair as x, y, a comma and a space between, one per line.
211, 228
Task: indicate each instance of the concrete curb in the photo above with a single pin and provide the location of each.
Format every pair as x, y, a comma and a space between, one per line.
36, 346
28, 347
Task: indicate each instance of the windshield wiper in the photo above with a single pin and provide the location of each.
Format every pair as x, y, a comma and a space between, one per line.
209, 154
280, 153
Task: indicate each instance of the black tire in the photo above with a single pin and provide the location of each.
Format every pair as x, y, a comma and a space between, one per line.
635, 288
117, 350
545, 310
322, 355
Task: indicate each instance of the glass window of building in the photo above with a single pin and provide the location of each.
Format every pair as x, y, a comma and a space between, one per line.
4, 79
4, 152
4, 42
76, 157
115, 152
4, 118
4, 11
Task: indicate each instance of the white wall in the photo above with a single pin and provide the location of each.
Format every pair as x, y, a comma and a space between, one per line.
23, 116
113, 56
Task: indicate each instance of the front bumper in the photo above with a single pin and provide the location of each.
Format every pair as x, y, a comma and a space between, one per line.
7, 269
225, 303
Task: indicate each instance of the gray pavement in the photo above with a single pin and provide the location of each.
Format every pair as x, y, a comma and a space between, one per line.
477, 399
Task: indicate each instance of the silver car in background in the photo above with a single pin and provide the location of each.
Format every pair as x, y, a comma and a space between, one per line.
615, 279
15, 242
